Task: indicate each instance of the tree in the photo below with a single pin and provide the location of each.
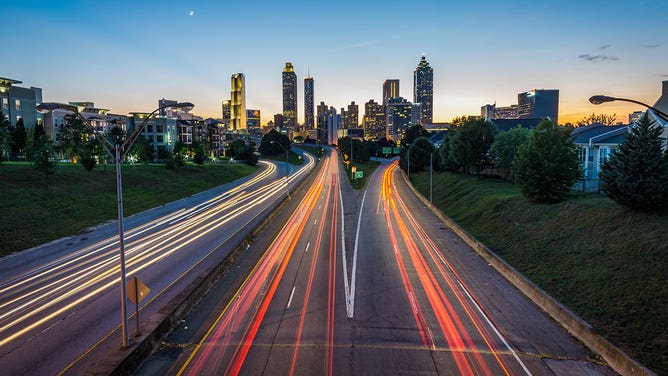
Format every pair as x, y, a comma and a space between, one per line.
636, 175
547, 166
163, 154
445, 160
142, 150
412, 133
73, 136
268, 148
505, 146
201, 152
89, 152
45, 158
600, 118
470, 144
19, 138
5, 136
360, 152
419, 153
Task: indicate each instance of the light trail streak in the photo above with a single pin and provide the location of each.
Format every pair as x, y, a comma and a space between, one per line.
54, 288
465, 352
244, 314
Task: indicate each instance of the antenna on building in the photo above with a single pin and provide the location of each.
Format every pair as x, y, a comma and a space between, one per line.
308, 69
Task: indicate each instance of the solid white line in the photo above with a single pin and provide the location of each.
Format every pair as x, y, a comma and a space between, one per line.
346, 284
489, 322
291, 295
307, 245
316, 221
351, 296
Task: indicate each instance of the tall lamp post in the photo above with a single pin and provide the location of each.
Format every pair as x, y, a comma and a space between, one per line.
598, 99
287, 166
119, 152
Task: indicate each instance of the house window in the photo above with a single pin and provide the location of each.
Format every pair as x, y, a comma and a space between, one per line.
17, 104
604, 155
159, 137
158, 128
149, 128
5, 103
582, 155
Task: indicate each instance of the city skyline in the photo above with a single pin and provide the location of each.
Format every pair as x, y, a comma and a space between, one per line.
122, 60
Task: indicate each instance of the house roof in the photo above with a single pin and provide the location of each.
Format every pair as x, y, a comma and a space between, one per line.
598, 133
507, 124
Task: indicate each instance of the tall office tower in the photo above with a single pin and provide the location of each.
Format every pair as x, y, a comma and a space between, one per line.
399, 118
332, 126
290, 97
423, 90
226, 111
416, 114
351, 119
321, 111
278, 121
308, 103
390, 90
238, 102
539, 104
374, 120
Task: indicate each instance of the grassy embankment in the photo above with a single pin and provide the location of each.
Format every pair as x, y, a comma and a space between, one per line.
293, 158
366, 168
36, 210
606, 263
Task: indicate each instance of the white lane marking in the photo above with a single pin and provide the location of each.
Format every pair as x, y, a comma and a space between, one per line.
351, 297
307, 245
346, 284
496, 331
291, 295
316, 221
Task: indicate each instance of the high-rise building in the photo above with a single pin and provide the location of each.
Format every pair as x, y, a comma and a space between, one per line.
308, 103
399, 118
226, 111
352, 116
416, 114
238, 102
635, 116
390, 90
491, 112
539, 104
374, 120
423, 90
278, 121
289, 97
332, 126
253, 119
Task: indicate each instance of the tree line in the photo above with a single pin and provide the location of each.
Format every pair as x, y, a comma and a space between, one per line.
544, 161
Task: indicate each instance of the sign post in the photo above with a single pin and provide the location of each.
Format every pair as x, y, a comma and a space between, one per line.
137, 291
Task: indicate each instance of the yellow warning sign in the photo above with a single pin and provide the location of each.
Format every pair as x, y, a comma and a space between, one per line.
137, 290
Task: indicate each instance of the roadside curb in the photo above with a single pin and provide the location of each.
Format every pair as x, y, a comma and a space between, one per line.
577, 327
120, 362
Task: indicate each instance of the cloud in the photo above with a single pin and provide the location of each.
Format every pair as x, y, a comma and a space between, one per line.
597, 58
192, 12
605, 46
651, 45
361, 44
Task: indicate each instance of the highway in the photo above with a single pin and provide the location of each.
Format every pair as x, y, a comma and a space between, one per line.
61, 301
371, 282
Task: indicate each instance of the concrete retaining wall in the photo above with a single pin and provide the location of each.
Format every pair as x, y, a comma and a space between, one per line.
577, 327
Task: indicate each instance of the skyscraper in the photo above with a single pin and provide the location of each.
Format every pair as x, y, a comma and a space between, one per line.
290, 96
539, 104
227, 111
374, 120
308, 103
238, 102
399, 113
423, 90
390, 90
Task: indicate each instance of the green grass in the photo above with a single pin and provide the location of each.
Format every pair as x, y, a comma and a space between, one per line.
36, 210
606, 263
367, 168
293, 158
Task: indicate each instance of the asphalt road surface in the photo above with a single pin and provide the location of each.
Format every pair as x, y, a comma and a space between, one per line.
59, 302
368, 282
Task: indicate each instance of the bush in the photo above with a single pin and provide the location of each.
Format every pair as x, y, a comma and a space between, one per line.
547, 166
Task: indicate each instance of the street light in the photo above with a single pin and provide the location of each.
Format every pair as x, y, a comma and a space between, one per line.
116, 154
287, 166
598, 99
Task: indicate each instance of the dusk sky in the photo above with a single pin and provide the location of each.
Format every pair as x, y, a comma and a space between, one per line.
125, 55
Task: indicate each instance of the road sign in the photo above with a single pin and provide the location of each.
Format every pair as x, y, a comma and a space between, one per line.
354, 168
359, 174
137, 290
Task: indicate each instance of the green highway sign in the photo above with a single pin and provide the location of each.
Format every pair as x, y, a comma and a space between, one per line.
359, 174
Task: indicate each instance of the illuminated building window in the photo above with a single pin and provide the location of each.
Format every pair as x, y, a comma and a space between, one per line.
17, 104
